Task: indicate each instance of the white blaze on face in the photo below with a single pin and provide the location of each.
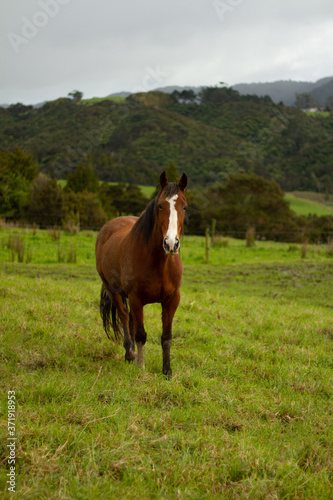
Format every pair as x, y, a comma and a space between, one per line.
173, 222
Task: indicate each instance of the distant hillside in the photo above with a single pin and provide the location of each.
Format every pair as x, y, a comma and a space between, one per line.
280, 91
167, 90
324, 91
285, 90
133, 141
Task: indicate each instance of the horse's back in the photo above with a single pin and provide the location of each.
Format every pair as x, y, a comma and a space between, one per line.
120, 224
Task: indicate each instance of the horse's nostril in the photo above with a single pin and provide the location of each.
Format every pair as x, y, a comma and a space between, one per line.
176, 244
166, 244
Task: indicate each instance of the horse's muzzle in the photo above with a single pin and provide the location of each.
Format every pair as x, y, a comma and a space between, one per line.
171, 247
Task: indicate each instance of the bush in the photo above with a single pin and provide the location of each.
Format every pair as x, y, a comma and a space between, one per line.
83, 179
248, 201
318, 229
83, 210
122, 199
46, 205
17, 171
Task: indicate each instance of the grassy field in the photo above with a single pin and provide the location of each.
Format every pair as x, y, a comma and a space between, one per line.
320, 114
248, 413
306, 205
94, 100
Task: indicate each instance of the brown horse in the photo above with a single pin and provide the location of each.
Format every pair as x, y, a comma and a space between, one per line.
138, 259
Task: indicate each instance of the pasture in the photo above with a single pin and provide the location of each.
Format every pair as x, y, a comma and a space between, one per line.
305, 206
94, 100
247, 414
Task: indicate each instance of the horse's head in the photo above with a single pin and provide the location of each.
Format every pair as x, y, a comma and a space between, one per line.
171, 205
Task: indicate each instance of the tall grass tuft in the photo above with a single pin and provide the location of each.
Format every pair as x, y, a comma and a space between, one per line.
71, 227
54, 232
61, 254
71, 254
304, 248
329, 248
28, 257
221, 242
16, 246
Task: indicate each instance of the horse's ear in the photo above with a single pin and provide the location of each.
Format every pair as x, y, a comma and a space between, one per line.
163, 180
182, 182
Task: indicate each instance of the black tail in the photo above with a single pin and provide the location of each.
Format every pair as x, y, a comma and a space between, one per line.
110, 317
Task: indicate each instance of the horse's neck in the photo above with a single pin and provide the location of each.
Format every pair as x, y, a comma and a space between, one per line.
155, 247
154, 255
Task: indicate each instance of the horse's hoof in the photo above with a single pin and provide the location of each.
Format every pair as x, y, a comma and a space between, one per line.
130, 356
168, 374
140, 364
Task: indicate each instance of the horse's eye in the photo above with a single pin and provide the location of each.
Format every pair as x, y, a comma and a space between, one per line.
160, 207
185, 208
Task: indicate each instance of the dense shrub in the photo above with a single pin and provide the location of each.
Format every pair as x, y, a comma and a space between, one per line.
46, 204
247, 201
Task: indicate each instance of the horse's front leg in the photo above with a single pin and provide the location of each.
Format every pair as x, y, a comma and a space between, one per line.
169, 308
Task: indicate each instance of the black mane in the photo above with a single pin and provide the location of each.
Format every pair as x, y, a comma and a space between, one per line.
144, 226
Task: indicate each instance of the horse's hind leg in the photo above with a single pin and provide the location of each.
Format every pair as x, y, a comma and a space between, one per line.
138, 332
124, 318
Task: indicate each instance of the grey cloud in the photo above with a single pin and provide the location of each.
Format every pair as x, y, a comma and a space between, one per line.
106, 46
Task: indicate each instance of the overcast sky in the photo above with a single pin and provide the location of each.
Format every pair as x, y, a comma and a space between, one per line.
51, 47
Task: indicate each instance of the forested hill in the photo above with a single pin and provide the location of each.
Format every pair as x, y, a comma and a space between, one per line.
133, 141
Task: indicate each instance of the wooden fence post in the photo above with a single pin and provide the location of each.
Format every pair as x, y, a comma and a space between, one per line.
213, 231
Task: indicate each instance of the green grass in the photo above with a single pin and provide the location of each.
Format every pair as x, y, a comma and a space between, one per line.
302, 206
248, 413
148, 191
322, 198
320, 114
94, 100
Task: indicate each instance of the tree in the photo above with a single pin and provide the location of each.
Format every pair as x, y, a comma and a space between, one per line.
218, 95
83, 179
329, 104
19, 109
84, 209
124, 199
187, 95
46, 207
18, 163
250, 201
76, 95
306, 101
17, 171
